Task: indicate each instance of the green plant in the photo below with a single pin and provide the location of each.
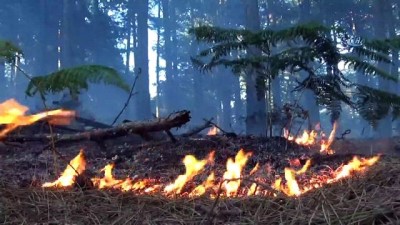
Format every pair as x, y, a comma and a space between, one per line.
75, 79
72, 79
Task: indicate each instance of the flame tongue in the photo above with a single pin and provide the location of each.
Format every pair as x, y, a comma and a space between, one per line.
76, 167
356, 164
233, 172
325, 145
13, 114
193, 167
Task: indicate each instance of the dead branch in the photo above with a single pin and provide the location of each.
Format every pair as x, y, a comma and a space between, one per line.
174, 120
198, 129
131, 93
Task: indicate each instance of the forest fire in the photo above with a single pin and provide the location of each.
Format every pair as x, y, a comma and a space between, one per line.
13, 115
232, 183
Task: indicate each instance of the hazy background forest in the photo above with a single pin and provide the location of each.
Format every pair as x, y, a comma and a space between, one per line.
151, 39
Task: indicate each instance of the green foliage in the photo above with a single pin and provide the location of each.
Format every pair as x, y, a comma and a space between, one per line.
75, 79
9, 52
301, 48
373, 104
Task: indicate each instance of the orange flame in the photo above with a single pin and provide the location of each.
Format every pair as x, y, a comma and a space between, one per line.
76, 166
233, 172
355, 164
307, 138
325, 145
231, 178
12, 113
202, 188
212, 131
290, 176
193, 167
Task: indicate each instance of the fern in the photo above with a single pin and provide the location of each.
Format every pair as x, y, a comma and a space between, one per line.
365, 67
373, 104
75, 79
9, 52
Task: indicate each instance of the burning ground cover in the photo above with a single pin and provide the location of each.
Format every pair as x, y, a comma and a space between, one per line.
210, 179
371, 198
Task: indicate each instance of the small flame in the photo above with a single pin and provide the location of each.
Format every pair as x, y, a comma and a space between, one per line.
307, 138
233, 172
193, 167
355, 164
255, 169
290, 177
212, 131
12, 113
325, 145
76, 167
202, 188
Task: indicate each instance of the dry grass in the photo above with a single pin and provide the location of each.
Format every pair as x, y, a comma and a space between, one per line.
373, 198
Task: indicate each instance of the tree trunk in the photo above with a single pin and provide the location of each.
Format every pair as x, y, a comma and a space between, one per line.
168, 26
308, 98
256, 122
384, 128
143, 109
66, 51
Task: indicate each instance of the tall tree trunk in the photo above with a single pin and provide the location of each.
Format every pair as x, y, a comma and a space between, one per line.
143, 109
158, 49
66, 48
256, 122
169, 83
308, 98
381, 8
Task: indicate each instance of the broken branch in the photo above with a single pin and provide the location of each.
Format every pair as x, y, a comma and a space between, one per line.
138, 127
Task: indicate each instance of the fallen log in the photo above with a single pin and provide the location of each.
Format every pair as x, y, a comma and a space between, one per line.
174, 120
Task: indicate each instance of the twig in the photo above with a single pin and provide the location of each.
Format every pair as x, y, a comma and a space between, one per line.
210, 215
228, 134
52, 140
131, 93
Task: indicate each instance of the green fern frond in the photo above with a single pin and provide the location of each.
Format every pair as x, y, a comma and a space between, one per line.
9, 51
365, 67
75, 79
373, 104
384, 45
212, 34
371, 54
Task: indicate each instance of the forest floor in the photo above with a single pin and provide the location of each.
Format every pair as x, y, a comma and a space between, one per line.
371, 197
